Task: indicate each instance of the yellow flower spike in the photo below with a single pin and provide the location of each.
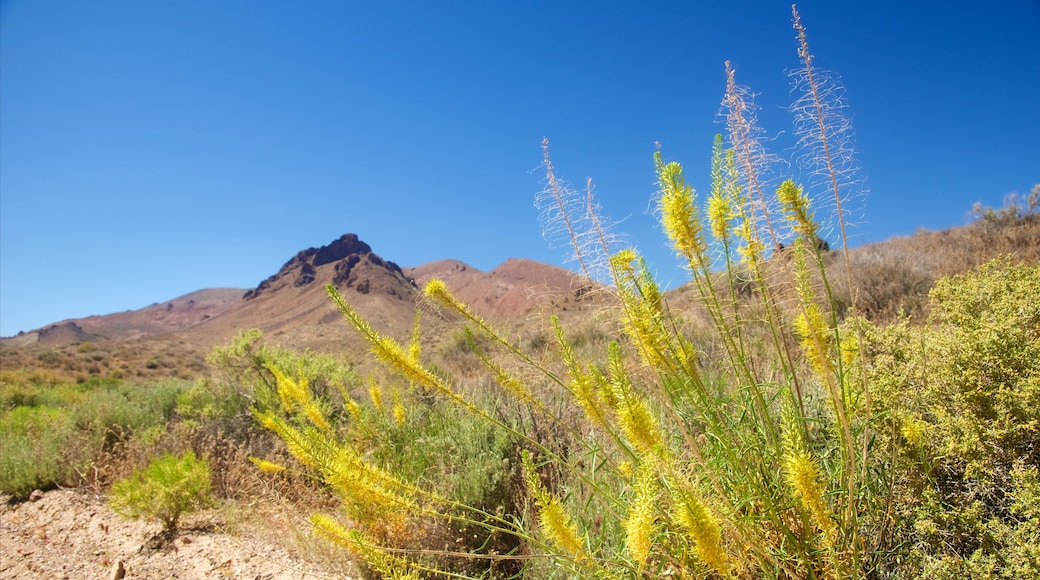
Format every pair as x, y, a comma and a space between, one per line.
364, 484
438, 291
510, 383
400, 414
352, 407
390, 352
293, 393
331, 529
619, 382
803, 478
796, 207
415, 346
266, 466
849, 347
315, 415
639, 426
718, 217
643, 311
721, 202
557, 526
387, 565
267, 421
285, 388
587, 393
583, 385
349, 403
375, 393
639, 525
703, 526
679, 215
622, 261
298, 445
816, 340
625, 467
553, 518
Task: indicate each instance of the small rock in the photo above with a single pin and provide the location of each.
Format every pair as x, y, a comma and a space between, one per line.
36, 495
118, 571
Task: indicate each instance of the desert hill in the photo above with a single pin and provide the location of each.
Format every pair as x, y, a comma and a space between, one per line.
157, 319
292, 306
509, 291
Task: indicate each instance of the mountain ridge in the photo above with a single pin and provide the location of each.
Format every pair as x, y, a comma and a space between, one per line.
292, 302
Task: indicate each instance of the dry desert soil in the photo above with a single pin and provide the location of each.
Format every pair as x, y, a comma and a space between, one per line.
73, 534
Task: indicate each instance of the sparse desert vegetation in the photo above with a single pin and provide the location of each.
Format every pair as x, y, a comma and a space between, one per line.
804, 413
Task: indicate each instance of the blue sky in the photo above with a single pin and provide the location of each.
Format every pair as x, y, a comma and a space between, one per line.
150, 149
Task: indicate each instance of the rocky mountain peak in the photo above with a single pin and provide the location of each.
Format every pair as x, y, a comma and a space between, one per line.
344, 254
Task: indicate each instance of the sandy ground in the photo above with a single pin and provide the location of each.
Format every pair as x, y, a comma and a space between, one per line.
73, 534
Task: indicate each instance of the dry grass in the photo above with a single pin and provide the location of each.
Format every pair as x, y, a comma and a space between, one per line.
895, 276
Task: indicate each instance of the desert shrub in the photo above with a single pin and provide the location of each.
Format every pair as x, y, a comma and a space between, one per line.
209, 399
890, 284
34, 449
168, 488
965, 393
51, 434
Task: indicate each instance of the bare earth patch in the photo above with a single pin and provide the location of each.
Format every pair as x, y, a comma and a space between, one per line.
73, 534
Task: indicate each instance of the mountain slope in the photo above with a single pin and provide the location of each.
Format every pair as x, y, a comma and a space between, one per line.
292, 306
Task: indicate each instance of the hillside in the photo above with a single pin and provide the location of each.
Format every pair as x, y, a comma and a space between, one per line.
292, 308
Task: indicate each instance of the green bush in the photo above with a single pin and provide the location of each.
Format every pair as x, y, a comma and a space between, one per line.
965, 395
50, 434
37, 449
168, 488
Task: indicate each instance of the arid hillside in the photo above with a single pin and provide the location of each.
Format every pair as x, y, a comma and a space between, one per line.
292, 308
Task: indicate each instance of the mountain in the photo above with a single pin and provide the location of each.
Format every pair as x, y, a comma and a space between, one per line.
891, 279
509, 291
292, 307
157, 319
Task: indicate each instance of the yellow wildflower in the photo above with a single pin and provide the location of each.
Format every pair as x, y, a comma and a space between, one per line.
266, 466
639, 526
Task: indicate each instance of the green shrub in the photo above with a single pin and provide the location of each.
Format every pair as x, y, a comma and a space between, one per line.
51, 434
965, 395
38, 449
168, 488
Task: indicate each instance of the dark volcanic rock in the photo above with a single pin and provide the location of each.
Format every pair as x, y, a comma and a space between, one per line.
346, 253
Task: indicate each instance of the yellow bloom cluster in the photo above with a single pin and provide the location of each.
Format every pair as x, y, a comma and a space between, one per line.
296, 393
703, 526
679, 214
639, 526
796, 206
553, 518
803, 478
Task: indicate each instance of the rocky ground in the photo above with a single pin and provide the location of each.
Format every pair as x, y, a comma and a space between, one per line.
73, 534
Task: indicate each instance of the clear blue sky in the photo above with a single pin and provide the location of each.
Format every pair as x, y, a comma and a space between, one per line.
153, 148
